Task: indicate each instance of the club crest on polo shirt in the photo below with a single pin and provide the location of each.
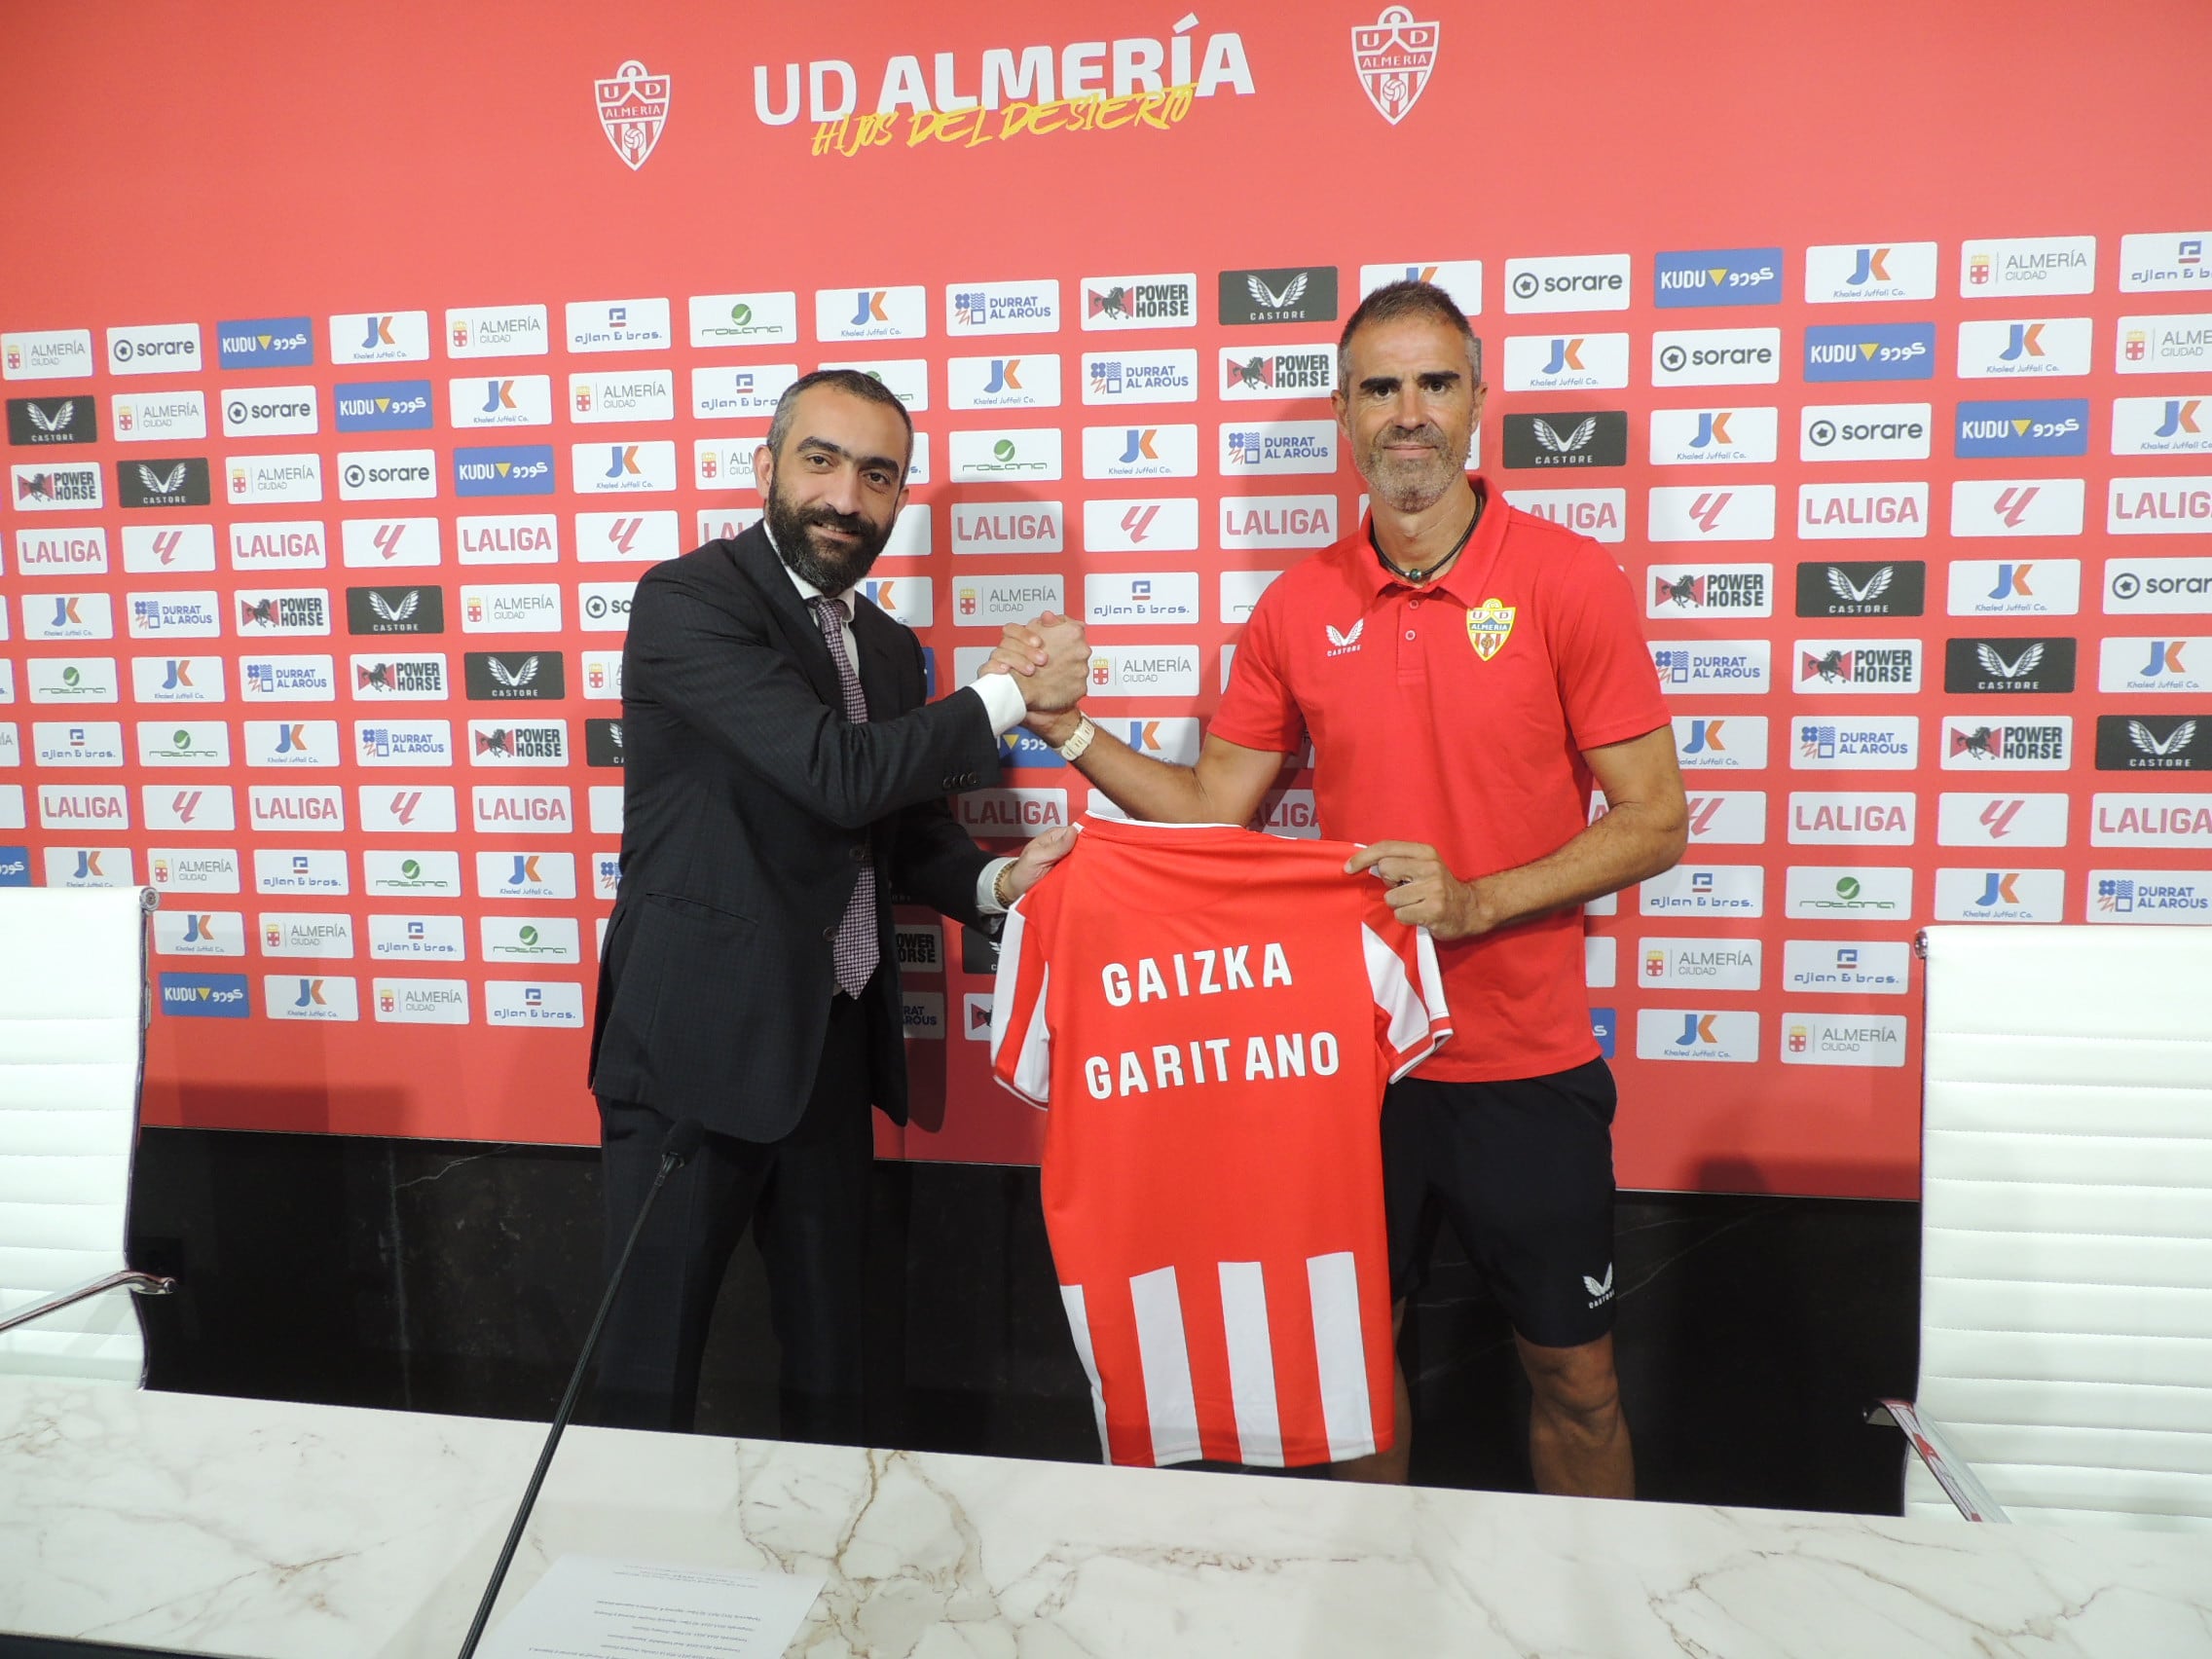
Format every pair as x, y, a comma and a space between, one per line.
1489, 625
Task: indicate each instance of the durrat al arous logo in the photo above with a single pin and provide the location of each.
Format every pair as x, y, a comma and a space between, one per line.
633, 110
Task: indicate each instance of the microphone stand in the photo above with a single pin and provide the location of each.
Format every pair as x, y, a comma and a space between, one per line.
675, 1151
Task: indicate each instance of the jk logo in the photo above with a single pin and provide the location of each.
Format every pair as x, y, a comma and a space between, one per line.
380, 334
2181, 417
180, 676
88, 865
526, 869
1140, 445
2024, 343
1696, 1029
1003, 375
871, 309
1705, 738
65, 613
498, 394
2165, 657
1565, 354
310, 994
1870, 267
1712, 428
2013, 580
1999, 890
198, 929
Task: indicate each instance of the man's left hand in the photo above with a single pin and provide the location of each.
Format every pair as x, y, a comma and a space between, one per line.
1041, 855
1423, 893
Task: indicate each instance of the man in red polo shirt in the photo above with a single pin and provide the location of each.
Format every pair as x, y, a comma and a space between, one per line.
1466, 671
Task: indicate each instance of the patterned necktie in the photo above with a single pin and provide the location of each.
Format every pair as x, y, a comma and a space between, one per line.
856, 950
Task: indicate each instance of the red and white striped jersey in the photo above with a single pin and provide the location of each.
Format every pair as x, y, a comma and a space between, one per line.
1212, 1016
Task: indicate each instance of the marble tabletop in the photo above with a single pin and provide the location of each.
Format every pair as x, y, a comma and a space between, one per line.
261, 1530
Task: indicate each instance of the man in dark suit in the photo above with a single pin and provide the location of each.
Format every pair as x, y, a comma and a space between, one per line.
784, 776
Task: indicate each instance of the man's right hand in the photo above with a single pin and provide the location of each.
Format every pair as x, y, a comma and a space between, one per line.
1058, 665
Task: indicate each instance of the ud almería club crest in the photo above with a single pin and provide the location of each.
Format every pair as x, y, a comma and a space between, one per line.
1489, 625
1393, 56
632, 108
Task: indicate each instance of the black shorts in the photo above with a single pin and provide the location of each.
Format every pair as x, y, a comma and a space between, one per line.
1524, 1171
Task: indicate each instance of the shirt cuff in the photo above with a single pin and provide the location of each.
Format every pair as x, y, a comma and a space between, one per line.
987, 884
1003, 701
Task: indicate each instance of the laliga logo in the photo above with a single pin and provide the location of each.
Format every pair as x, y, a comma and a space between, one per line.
1392, 56
632, 108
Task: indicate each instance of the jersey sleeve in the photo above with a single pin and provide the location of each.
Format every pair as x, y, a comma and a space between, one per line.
1412, 1021
1021, 1037
1606, 680
1257, 709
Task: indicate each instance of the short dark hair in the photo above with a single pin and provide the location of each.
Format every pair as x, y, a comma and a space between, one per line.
1394, 300
851, 382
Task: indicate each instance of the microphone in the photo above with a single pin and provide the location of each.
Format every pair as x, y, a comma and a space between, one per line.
675, 1149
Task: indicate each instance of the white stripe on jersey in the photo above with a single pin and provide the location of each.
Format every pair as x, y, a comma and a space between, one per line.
1333, 1281
1169, 1399
1033, 1067
1251, 1363
1395, 993
1078, 1322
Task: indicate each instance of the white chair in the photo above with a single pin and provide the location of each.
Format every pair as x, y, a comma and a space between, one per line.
2066, 1227
73, 1008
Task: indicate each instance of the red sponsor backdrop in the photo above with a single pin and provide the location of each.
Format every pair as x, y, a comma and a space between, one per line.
257, 161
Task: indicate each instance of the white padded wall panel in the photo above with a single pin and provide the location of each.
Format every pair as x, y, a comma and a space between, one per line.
72, 1002
80, 956
2066, 1273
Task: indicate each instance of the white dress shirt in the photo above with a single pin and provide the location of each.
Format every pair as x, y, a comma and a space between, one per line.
1001, 693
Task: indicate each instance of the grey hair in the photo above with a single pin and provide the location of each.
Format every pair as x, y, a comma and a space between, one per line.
851, 382
1395, 300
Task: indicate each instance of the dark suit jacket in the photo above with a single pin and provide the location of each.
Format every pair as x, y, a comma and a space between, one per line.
749, 804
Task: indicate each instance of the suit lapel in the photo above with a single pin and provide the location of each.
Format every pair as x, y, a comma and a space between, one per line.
756, 563
878, 639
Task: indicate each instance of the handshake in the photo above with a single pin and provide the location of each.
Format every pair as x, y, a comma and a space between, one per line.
1052, 660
